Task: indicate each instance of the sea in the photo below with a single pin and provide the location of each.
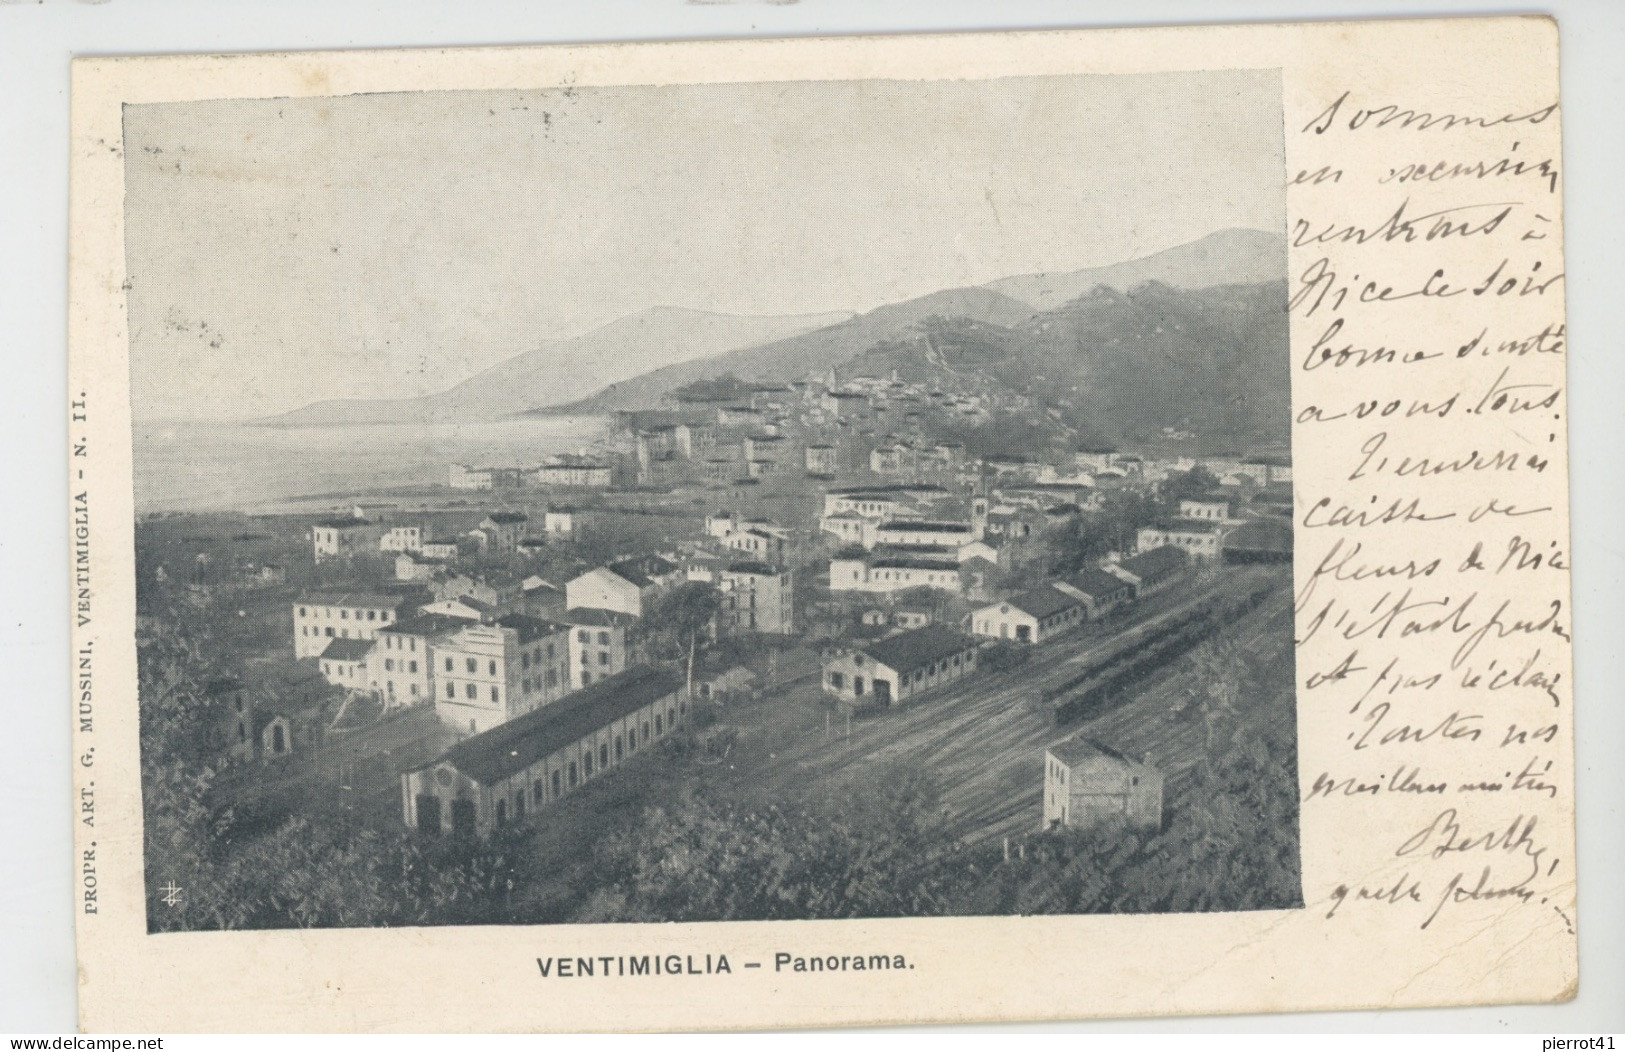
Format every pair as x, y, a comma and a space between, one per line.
209, 466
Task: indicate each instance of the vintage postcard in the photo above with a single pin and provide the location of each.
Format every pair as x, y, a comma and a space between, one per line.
819, 532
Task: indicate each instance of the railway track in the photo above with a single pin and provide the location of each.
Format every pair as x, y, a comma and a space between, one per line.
983, 739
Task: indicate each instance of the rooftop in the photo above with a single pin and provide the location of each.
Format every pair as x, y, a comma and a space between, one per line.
1270, 535
364, 600
1077, 749
1187, 526
757, 568
914, 564
1157, 560
426, 625
642, 570
347, 650
1043, 601
508, 518
914, 649
923, 524
1098, 583
595, 617
513, 746
530, 628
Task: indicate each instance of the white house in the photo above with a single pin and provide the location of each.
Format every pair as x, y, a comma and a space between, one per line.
1087, 784
897, 668
321, 617
401, 539
628, 586
1034, 616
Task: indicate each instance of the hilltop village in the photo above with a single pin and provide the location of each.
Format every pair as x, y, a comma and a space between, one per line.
750, 587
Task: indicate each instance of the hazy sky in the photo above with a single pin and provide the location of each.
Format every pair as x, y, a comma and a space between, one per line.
285, 251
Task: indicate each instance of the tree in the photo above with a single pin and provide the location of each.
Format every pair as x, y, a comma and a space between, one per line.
1186, 485
689, 611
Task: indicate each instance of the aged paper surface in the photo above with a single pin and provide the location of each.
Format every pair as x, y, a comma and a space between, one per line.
983, 781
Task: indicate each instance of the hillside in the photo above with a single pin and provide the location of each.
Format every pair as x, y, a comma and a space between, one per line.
1228, 257
561, 370
810, 353
1116, 366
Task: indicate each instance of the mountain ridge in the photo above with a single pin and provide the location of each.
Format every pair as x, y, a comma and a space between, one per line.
609, 368
584, 363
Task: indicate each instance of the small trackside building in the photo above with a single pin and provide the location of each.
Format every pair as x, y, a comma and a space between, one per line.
1087, 784
1032, 617
1263, 540
897, 668
1153, 570
484, 782
1100, 591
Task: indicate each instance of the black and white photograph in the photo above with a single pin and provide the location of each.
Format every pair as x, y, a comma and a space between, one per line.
714, 502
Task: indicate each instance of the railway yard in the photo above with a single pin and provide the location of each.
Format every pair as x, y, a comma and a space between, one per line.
984, 738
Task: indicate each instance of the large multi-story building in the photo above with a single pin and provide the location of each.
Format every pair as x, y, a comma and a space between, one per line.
892, 573
487, 673
321, 617
600, 644
922, 532
1201, 538
461, 476
575, 472
757, 597
400, 666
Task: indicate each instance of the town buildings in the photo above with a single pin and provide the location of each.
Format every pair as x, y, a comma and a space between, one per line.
900, 667
401, 539
500, 531
344, 537
344, 662
879, 571
410, 566
575, 472
822, 459
628, 586
1087, 785
321, 617
1215, 508
486, 781
443, 549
